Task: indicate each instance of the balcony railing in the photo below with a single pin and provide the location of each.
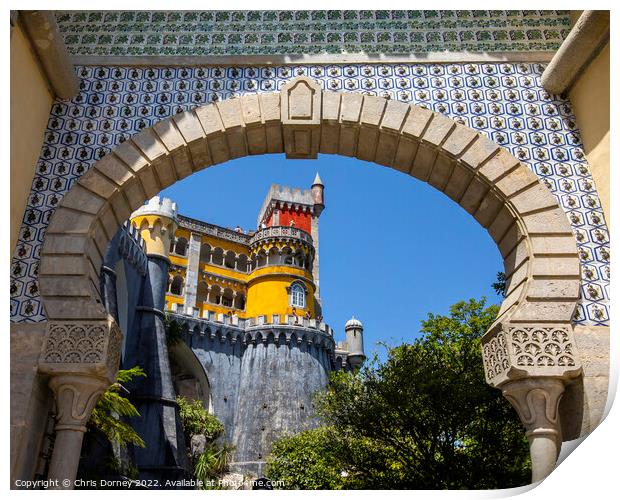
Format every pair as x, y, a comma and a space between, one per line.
281, 232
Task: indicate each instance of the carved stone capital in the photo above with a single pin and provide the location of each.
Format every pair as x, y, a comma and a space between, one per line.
537, 402
91, 348
76, 395
514, 351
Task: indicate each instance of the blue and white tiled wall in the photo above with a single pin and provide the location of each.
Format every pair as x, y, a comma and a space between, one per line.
503, 100
302, 32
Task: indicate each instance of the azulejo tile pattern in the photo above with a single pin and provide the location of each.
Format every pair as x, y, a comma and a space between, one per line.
504, 101
288, 32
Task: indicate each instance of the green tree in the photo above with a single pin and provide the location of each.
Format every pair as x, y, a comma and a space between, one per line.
195, 419
106, 416
500, 284
213, 461
174, 333
423, 419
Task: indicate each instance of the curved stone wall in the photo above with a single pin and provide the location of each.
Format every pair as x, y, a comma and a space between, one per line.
255, 374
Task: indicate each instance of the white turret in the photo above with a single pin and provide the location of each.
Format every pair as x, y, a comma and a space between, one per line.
164, 207
354, 331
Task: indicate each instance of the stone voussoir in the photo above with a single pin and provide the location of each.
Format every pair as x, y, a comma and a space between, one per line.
532, 232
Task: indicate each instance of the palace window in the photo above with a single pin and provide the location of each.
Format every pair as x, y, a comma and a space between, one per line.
298, 296
177, 285
181, 246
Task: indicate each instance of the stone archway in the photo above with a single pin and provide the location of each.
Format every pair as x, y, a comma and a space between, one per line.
528, 352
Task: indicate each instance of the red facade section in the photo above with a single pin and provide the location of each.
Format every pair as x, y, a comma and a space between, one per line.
302, 219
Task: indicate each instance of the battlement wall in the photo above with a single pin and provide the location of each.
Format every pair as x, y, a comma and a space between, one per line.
291, 330
285, 194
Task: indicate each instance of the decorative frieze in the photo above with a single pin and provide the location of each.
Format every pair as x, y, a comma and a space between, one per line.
281, 232
92, 347
301, 32
514, 352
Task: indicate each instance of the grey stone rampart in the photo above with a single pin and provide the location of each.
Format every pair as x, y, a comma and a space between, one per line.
262, 378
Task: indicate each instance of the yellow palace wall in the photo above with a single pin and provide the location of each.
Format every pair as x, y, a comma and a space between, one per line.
590, 99
267, 292
31, 100
265, 288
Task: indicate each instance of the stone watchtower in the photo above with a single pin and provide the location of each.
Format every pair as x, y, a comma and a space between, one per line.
354, 331
154, 396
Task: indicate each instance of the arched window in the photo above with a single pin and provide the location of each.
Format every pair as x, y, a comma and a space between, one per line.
217, 256
298, 296
240, 301
287, 256
205, 252
227, 297
229, 259
181, 246
273, 258
262, 259
177, 285
242, 263
214, 294
202, 292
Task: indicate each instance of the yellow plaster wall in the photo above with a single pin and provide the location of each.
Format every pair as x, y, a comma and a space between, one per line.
225, 245
31, 100
206, 306
179, 261
268, 294
223, 271
590, 99
156, 232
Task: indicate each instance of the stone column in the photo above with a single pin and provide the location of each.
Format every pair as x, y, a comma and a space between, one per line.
81, 359
531, 365
108, 290
76, 397
191, 276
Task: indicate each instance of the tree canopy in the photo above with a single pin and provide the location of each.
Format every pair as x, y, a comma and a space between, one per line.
423, 419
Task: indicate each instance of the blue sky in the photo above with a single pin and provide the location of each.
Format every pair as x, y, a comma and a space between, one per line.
392, 248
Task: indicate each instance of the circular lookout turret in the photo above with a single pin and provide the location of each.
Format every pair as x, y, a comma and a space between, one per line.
354, 331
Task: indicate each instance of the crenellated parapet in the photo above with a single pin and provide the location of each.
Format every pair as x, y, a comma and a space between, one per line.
130, 247
280, 197
254, 331
157, 222
205, 228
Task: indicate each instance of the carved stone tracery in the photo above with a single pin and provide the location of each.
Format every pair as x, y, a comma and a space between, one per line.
73, 346
516, 351
542, 346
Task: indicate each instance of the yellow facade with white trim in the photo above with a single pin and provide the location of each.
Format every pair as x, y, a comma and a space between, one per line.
265, 289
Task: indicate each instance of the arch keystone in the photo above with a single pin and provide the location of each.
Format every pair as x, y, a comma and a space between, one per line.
301, 118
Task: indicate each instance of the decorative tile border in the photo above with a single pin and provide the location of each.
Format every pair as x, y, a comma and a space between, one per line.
503, 101
308, 32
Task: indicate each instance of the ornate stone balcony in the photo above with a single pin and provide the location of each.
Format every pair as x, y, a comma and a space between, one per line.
213, 230
279, 233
